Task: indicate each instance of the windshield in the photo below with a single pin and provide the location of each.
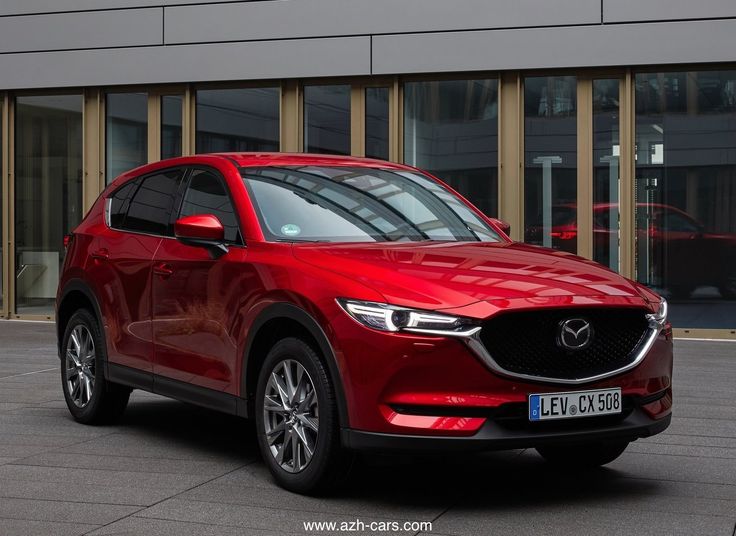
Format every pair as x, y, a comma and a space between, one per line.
355, 204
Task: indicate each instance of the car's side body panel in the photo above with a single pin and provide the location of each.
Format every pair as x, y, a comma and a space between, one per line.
190, 330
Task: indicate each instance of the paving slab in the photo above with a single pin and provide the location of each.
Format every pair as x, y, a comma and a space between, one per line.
169, 468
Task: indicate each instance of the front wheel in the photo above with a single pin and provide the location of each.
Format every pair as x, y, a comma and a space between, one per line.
583, 455
90, 398
297, 421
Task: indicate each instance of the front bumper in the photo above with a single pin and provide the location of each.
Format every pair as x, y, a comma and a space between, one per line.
408, 385
494, 437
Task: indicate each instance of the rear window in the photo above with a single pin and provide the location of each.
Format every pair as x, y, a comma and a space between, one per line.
149, 209
119, 202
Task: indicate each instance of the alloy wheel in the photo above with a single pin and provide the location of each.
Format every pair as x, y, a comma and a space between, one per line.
80, 365
291, 415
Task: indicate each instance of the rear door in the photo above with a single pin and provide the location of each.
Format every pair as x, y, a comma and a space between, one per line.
138, 217
197, 297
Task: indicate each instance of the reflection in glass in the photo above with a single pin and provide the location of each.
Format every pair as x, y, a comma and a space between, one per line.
171, 110
451, 130
327, 119
2, 259
126, 133
376, 122
685, 188
606, 151
550, 162
350, 204
236, 120
48, 194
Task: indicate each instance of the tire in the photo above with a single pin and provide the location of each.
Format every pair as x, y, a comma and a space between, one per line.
728, 288
681, 292
290, 420
583, 455
107, 400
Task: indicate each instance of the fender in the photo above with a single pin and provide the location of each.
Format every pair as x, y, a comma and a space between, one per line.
79, 285
293, 312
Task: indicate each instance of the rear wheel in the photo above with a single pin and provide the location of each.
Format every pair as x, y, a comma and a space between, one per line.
728, 288
583, 455
297, 421
90, 398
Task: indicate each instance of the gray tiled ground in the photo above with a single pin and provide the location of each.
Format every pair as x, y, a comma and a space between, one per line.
171, 469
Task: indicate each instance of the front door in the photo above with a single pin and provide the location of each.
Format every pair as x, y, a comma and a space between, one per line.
196, 296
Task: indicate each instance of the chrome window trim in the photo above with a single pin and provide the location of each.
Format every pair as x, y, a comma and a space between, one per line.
108, 205
479, 349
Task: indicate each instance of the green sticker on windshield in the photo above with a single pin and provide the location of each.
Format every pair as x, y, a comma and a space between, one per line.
290, 229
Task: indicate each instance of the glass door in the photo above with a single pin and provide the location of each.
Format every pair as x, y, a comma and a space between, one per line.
3, 208
606, 166
685, 194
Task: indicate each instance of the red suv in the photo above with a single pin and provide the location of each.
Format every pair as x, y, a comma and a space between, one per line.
350, 304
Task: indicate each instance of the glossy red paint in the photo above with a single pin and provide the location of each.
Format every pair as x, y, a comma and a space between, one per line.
178, 311
199, 227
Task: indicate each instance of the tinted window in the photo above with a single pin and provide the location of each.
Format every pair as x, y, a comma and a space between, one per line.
678, 223
327, 119
150, 208
126, 134
359, 205
550, 159
242, 119
206, 194
119, 203
451, 130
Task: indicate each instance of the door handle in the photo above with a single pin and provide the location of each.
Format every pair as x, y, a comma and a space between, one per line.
163, 269
101, 254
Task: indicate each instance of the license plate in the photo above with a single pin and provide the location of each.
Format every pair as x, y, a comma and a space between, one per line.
548, 406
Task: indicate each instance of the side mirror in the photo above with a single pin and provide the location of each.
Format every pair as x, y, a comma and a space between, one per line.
504, 226
203, 230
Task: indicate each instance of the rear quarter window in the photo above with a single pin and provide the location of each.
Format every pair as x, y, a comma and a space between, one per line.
147, 206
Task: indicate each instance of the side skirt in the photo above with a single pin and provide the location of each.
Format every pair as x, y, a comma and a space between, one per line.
178, 390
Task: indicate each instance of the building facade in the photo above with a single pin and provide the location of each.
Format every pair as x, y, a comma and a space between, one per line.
606, 128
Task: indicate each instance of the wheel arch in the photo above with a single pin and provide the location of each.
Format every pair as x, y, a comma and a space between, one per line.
76, 295
273, 323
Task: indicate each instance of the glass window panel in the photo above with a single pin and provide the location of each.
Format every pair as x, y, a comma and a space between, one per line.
342, 204
119, 202
171, 112
150, 208
550, 162
207, 195
48, 194
606, 152
2, 258
451, 130
685, 192
327, 119
376, 122
126, 133
237, 120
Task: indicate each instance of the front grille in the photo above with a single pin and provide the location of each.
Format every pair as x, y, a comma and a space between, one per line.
525, 342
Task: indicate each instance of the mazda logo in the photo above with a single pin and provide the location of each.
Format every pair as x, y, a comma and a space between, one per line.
574, 334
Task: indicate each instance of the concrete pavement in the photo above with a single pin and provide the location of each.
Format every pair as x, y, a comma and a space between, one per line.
170, 468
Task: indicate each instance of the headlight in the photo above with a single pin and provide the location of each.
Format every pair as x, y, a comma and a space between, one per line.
660, 317
385, 317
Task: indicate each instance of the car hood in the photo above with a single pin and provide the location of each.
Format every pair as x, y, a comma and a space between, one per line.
444, 275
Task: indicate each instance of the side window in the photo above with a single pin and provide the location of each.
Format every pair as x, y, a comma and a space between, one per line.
206, 194
119, 202
150, 209
678, 223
